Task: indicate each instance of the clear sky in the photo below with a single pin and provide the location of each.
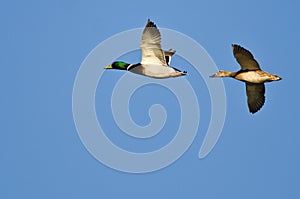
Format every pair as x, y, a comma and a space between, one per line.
44, 43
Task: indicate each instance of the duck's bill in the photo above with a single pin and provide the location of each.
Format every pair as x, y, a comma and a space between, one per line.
214, 75
108, 67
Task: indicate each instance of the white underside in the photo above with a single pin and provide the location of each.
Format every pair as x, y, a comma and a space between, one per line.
251, 76
154, 71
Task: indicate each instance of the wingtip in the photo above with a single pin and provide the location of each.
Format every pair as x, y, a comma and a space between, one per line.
234, 46
172, 50
150, 23
237, 46
253, 112
169, 52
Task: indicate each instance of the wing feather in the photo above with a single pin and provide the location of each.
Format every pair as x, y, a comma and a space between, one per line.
256, 96
244, 58
152, 52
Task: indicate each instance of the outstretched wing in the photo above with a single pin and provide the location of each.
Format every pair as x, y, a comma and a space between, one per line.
256, 96
244, 58
152, 52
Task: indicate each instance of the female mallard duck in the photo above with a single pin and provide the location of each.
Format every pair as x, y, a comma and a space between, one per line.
155, 62
252, 75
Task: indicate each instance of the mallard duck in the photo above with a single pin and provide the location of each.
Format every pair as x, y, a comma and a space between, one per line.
155, 62
252, 75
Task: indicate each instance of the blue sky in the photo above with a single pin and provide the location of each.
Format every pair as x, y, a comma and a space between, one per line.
42, 47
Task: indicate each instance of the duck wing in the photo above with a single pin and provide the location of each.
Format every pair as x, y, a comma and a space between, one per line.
244, 58
152, 54
256, 96
168, 55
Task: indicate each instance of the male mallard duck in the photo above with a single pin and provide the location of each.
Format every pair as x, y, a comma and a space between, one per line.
155, 62
252, 75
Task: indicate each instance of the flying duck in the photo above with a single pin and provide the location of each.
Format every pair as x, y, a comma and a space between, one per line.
155, 62
252, 75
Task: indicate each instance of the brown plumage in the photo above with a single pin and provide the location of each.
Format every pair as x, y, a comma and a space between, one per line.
252, 75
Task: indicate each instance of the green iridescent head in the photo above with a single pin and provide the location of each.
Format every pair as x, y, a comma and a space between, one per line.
118, 65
